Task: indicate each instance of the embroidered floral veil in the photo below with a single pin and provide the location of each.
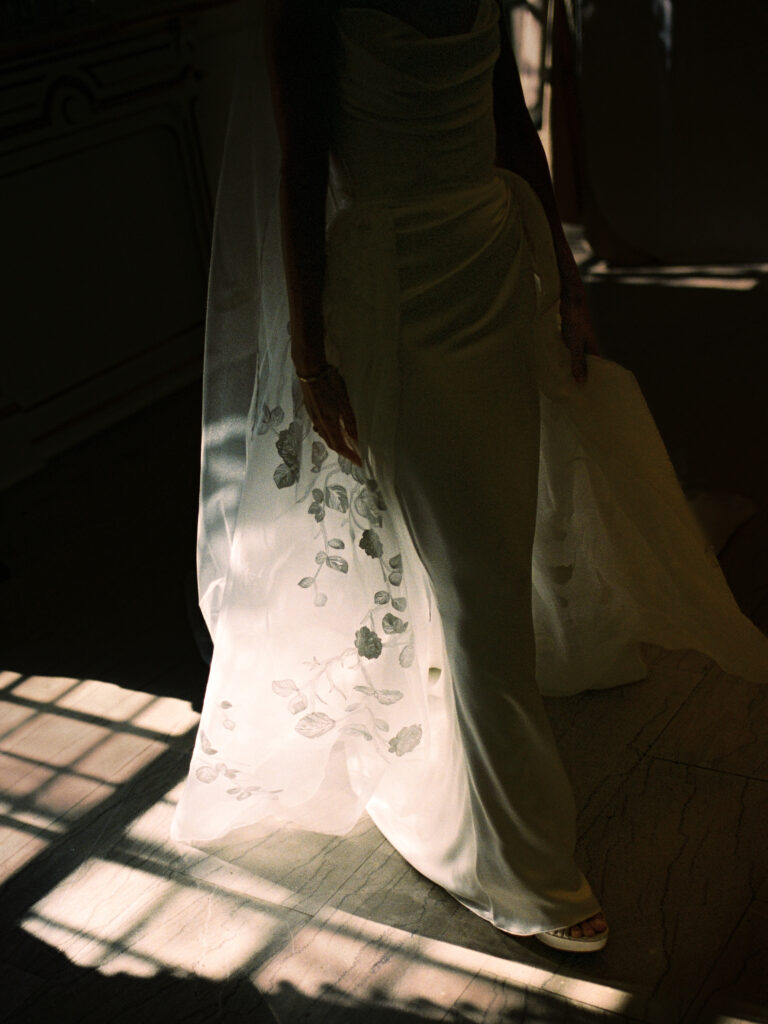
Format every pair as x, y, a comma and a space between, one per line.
315, 683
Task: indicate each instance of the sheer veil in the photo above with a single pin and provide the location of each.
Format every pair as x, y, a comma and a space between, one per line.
237, 328
316, 684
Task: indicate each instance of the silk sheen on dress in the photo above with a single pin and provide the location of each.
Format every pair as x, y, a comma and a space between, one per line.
382, 637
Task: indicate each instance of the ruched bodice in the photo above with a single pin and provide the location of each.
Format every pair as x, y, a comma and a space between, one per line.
414, 114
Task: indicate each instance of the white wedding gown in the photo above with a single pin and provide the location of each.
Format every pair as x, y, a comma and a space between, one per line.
382, 637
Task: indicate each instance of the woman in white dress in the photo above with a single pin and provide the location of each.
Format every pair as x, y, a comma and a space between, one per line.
500, 517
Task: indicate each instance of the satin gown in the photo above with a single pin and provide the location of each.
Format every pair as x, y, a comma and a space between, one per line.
513, 532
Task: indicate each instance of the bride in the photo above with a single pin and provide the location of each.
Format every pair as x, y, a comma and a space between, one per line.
425, 498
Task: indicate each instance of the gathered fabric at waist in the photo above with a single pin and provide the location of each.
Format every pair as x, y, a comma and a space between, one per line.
408, 191
417, 170
432, 236
433, 207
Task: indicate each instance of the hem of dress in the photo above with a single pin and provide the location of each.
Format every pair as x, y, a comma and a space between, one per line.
497, 922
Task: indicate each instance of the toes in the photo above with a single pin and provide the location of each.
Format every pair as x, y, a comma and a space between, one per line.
588, 928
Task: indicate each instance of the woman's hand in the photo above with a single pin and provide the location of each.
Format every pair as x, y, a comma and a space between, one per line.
329, 408
576, 325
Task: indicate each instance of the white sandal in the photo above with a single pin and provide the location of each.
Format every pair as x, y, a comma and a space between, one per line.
560, 938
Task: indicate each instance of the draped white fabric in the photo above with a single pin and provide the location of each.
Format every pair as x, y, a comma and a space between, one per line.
330, 689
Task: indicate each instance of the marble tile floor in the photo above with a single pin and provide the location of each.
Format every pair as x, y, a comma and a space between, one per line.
105, 919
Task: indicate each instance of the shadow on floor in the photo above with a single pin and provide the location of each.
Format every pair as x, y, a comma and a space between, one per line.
43, 986
53, 989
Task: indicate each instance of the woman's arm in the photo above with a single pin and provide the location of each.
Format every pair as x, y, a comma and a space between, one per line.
300, 40
519, 149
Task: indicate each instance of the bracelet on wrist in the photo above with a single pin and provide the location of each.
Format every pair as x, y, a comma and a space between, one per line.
312, 378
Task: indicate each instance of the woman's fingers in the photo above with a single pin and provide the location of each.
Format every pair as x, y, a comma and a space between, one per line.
337, 440
331, 413
578, 360
579, 340
344, 438
577, 329
347, 416
579, 368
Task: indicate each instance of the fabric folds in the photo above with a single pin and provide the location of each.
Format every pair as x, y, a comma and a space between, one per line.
333, 686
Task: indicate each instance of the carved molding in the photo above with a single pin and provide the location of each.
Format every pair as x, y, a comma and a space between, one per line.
116, 116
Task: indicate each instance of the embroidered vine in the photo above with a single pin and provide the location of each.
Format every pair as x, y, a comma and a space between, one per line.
211, 772
336, 693
347, 506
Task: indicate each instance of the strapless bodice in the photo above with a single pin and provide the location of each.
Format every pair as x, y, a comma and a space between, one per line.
414, 113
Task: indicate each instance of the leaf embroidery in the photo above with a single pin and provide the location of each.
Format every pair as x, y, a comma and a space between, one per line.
351, 470
367, 506
338, 563
337, 497
393, 624
319, 455
205, 744
284, 687
559, 573
284, 475
389, 696
368, 643
357, 730
371, 544
270, 418
297, 703
315, 724
406, 740
288, 446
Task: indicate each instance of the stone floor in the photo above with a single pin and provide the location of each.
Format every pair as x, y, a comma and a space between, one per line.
104, 919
